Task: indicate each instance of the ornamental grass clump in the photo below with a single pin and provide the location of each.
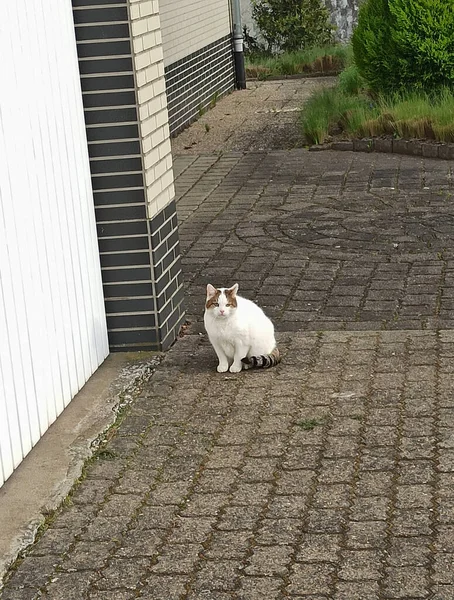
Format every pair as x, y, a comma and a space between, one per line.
320, 60
418, 115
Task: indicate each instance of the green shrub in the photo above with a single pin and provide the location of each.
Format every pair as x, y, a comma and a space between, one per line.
373, 46
290, 25
350, 81
423, 32
405, 44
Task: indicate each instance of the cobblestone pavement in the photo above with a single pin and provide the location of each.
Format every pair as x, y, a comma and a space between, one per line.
323, 240
328, 477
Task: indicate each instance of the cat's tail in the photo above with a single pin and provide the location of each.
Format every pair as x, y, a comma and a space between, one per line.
265, 361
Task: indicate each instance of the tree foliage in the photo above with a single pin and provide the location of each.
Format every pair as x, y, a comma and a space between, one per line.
405, 44
291, 25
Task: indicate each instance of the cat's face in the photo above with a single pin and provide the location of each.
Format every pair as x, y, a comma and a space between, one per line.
221, 302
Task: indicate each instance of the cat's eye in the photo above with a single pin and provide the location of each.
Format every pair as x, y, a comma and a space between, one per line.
215, 303
228, 305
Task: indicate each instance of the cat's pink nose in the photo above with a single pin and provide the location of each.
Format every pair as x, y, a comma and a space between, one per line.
221, 311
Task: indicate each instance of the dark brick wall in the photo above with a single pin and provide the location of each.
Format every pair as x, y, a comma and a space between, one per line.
167, 274
140, 260
197, 80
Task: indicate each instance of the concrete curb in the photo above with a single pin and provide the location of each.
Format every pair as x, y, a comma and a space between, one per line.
392, 146
47, 474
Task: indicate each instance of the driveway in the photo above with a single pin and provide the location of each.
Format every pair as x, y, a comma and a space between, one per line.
329, 476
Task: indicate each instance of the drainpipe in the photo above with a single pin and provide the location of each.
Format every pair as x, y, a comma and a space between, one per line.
238, 53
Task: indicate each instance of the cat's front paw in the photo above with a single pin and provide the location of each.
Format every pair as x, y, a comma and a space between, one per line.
222, 367
235, 368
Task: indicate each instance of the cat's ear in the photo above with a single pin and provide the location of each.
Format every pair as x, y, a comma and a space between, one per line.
211, 291
233, 290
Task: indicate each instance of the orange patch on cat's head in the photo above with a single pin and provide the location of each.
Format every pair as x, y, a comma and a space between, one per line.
212, 296
231, 295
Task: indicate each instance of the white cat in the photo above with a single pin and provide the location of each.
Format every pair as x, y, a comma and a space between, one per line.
239, 331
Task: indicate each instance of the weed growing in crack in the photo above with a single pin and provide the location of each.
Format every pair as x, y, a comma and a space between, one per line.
310, 424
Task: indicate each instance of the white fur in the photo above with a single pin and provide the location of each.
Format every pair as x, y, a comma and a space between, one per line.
237, 332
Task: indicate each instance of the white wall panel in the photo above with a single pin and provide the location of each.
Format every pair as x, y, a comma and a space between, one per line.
52, 322
189, 25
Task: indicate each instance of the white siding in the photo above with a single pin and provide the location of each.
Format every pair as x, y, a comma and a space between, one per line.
189, 25
52, 320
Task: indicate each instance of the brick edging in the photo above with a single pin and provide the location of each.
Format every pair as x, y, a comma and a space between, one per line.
392, 146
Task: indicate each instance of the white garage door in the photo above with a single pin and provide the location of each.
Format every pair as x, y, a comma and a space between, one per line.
52, 322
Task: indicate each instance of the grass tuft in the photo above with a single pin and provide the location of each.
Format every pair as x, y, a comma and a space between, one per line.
350, 81
348, 109
318, 60
331, 109
310, 424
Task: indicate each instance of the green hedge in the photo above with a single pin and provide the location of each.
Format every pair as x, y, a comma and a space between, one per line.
291, 25
405, 44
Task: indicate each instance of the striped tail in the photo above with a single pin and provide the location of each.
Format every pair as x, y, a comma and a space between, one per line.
262, 362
